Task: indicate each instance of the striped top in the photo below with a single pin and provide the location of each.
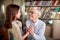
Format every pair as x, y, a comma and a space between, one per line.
39, 30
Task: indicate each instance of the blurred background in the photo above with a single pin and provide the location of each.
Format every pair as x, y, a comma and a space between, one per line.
49, 13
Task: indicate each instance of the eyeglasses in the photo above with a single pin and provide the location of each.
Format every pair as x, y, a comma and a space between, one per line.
31, 12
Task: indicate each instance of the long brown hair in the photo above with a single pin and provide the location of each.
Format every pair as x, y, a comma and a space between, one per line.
11, 11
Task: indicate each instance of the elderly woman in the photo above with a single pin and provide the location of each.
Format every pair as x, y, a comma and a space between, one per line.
35, 27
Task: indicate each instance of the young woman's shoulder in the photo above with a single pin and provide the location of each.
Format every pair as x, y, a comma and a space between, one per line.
17, 23
41, 22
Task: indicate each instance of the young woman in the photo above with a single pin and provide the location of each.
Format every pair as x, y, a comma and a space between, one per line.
13, 12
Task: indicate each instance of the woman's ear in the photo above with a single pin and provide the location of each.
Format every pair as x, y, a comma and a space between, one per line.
16, 16
38, 15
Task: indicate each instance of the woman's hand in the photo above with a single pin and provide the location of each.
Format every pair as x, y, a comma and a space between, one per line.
24, 36
31, 30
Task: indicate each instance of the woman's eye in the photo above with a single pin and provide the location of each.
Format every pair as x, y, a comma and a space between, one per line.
32, 12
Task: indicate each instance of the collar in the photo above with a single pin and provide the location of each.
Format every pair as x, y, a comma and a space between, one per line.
35, 22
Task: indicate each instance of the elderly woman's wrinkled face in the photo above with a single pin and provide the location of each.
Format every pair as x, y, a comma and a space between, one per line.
32, 15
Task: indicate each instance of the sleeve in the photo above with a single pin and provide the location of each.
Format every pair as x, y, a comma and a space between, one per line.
40, 34
16, 33
20, 24
27, 23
